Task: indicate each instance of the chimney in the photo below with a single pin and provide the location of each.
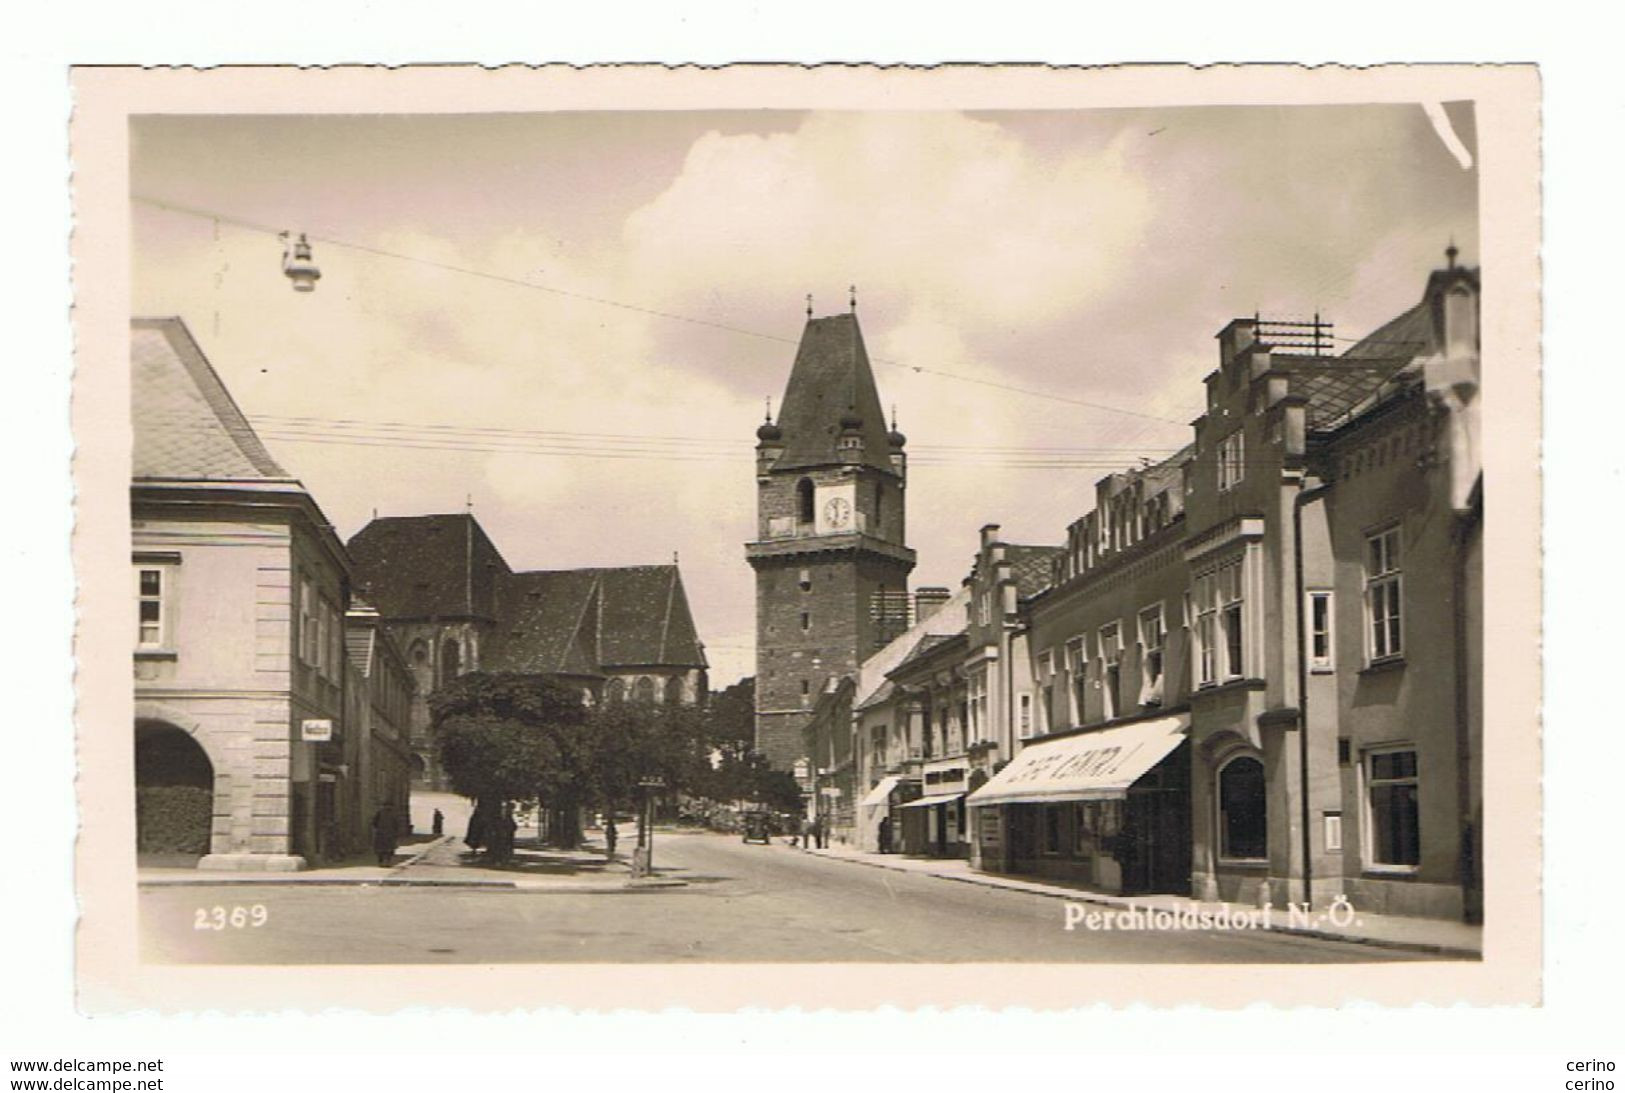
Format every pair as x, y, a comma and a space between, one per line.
990, 535
1238, 335
928, 601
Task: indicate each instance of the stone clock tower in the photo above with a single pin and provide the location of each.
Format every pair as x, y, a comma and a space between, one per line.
831, 567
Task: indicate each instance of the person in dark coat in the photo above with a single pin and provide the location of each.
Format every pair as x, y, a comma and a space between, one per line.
386, 830
438, 824
476, 828
610, 836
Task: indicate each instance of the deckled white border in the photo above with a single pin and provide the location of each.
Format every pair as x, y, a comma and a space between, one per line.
112, 981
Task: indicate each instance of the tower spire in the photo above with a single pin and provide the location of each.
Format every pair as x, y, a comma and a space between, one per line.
852, 299
809, 305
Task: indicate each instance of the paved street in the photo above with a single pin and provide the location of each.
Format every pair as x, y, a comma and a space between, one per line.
743, 903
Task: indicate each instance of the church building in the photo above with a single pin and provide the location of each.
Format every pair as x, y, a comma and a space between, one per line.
830, 561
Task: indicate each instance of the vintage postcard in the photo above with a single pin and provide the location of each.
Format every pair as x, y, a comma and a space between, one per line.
993, 535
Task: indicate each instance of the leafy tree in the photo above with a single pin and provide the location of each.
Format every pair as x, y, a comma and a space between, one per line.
506, 738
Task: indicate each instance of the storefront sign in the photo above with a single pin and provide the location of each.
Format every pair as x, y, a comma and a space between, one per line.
316, 729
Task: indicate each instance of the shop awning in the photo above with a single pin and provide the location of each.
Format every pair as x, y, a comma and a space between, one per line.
939, 799
877, 796
1092, 766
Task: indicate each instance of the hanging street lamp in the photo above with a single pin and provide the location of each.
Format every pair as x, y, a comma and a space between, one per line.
297, 264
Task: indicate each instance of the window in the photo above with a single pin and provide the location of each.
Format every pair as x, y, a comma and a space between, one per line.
1230, 619
806, 621
1111, 662
615, 690
674, 691
309, 643
1332, 829
805, 580
1077, 670
1320, 631
152, 590
1025, 724
643, 691
1242, 816
1046, 674
1391, 789
1083, 829
1206, 630
804, 501
1230, 461
1052, 829
1151, 642
977, 686
1382, 595
880, 501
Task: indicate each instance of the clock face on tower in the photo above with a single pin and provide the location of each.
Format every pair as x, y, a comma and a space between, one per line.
837, 512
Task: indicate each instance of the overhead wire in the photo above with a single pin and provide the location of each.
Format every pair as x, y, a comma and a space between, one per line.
605, 301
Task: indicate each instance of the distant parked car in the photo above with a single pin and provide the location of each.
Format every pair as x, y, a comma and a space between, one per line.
758, 827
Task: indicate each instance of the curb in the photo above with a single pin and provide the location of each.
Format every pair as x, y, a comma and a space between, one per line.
1098, 900
531, 887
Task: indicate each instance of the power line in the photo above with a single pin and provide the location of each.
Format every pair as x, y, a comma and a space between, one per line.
640, 309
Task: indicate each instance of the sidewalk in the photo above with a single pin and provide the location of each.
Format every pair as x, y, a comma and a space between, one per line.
1437, 936
445, 862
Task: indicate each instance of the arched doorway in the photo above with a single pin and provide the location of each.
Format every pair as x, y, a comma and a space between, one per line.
174, 795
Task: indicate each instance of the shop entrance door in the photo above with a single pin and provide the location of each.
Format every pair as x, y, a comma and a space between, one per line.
1022, 832
1156, 826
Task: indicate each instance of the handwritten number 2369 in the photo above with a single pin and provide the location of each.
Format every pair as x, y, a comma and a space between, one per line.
237, 917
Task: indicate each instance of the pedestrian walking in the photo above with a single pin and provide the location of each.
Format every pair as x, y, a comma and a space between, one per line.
610, 836
438, 824
885, 834
386, 830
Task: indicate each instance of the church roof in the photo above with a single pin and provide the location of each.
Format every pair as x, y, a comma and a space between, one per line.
831, 378
567, 621
428, 566
185, 422
582, 621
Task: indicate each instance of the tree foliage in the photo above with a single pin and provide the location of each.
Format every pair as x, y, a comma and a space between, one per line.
507, 737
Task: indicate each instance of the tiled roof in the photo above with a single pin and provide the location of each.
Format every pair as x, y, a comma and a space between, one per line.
929, 645
574, 621
1032, 567
1335, 385
185, 423
428, 566
831, 377
582, 621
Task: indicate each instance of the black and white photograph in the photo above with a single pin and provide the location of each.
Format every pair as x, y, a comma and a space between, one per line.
838, 529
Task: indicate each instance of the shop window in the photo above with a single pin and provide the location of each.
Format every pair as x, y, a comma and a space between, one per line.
1382, 596
1052, 829
1320, 631
1083, 828
1392, 808
1111, 664
1242, 813
1151, 665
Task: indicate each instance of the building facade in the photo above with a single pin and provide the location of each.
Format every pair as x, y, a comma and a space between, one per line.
829, 555
451, 602
243, 757
382, 692
1106, 652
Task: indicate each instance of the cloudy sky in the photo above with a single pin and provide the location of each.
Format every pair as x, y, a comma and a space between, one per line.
574, 319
